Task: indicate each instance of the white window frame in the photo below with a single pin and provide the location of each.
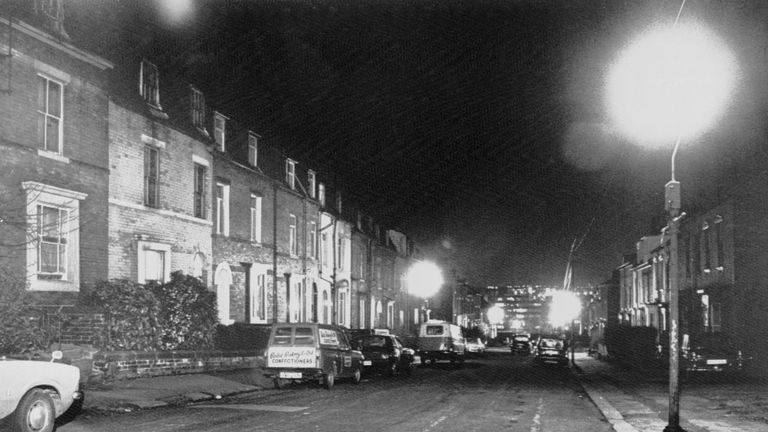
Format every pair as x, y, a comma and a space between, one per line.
290, 173
45, 115
197, 108
220, 130
312, 184
259, 294
253, 149
312, 239
142, 248
343, 307
255, 218
149, 83
222, 209
292, 235
39, 194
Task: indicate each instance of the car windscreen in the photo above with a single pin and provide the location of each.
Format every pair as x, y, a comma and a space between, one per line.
304, 336
435, 330
282, 336
374, 342
551, 343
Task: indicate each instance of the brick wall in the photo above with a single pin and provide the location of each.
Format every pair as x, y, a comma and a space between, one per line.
129, 364
173, 221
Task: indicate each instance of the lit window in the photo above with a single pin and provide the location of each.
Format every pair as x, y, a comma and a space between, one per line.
200, 172
151, 173
198, 109
50, 106
149, 83
290, 173
255, 218
154, 262
311, 183
220, 130
292, 243
222, 209
253, 149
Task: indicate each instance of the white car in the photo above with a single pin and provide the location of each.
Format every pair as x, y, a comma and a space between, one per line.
34, 393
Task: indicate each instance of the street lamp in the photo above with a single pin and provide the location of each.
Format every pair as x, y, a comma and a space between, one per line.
495, 315
670, 85
424, 280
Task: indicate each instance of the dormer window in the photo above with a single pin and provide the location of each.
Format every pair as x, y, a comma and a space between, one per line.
321, 194
197, 104
311, 183
290, 173
220, 130
149, 84
253, 149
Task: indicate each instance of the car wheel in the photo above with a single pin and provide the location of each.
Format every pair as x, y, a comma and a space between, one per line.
329, 379
357, 376
35, 413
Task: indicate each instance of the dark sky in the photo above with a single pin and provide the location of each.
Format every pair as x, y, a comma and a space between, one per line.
478, 127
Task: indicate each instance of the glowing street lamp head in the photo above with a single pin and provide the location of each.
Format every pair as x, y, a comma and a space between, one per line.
424, 279
564, 308
495, 314
670, 83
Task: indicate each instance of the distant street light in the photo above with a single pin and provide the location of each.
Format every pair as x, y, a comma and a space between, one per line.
495, 316
424, 280
671, 84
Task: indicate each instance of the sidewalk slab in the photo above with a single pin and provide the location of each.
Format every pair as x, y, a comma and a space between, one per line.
144, 393
641, 400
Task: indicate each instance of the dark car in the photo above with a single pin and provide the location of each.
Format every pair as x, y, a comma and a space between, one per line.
706, 352
712, 352
385, 354
521, 344
551, 350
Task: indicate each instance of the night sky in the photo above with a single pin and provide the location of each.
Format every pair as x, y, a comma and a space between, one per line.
477, 127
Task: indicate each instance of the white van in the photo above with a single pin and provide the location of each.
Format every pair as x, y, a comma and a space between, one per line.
441, 340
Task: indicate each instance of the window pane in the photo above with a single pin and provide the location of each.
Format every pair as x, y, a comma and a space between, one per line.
62, 258
42, 94
48, 258
154, 265
54, 99
52, 134
49, 228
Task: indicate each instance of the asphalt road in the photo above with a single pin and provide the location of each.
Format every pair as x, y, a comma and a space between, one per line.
490, 393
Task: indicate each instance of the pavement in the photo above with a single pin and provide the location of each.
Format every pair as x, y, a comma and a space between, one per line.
631, 400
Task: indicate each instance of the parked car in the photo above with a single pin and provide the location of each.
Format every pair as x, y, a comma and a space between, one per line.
34, 393
705, 352
298, 352
440, 340
385, 353
551, 350
521, 344
711, 352
475, 345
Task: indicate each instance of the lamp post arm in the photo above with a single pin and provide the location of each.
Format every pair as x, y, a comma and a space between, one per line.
674, 156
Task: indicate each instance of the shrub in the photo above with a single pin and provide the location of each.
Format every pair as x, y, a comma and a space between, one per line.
187, 318
132, 313
19, 324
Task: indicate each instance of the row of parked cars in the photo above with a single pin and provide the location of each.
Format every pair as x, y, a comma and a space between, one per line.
300, 352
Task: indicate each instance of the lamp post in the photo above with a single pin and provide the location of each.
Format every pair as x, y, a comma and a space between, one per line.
671, 84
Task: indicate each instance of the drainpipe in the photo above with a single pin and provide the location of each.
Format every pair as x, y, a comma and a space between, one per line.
334, 313
274, 253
